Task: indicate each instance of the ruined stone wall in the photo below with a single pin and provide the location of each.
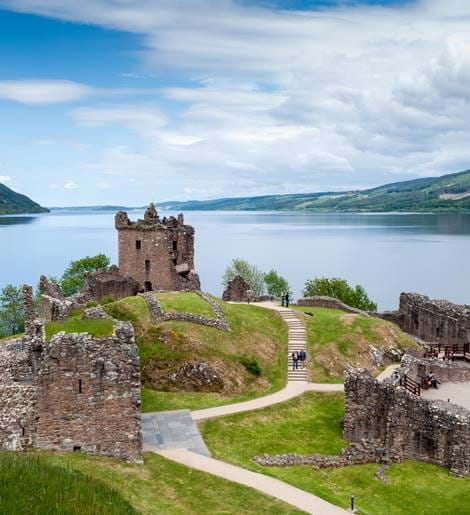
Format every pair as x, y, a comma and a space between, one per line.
388, 418
158, 254
17, 399
431, 320
74, 392
109, 283
435, 320
320, 301
445, 371
88, 395
237, 290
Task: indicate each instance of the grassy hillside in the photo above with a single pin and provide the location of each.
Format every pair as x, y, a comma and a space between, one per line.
336, 339
15, 203
75, 484
311, 424
449, 193
250, 358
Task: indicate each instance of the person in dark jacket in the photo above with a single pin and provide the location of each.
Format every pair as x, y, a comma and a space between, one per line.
295, 360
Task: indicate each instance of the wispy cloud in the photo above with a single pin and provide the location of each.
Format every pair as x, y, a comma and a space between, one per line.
70, 185
41, 92
5, 178
285, 100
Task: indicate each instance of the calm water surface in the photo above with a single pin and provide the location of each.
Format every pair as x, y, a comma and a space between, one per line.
387, 254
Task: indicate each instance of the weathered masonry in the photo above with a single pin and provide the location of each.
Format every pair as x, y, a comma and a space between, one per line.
72, 393
157, 253
432, 320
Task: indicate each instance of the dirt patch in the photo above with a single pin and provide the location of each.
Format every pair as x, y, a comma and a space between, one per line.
348, 318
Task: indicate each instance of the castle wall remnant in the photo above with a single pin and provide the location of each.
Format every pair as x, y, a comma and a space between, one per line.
72, 393
237, 290
109, 283
157, 253
322, 301
400, 425
432, 320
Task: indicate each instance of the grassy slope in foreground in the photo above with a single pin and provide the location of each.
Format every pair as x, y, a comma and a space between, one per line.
256, 334
15, 203
419, 195
336, 338
77, 484
311, 424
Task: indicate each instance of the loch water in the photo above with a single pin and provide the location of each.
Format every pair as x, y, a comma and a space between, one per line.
386, 253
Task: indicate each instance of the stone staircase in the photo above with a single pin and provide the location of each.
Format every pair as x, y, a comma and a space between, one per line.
297, 342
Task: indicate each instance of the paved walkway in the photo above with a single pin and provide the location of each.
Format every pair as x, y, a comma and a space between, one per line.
265, 484
172, 430
457, 393
293, 389
387, 372
173, 434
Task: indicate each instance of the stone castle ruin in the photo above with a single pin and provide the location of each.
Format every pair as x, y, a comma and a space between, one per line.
72, 393
157, 253
432, 320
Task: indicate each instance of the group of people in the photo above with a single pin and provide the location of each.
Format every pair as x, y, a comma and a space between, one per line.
285, 299
299, 356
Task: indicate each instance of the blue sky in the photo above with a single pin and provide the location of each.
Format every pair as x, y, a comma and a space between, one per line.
104, 101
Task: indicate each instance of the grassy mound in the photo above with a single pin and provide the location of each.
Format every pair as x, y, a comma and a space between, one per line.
337, 339
97, 328
30, 484
184, 302
159, 486
250, 358
311, 424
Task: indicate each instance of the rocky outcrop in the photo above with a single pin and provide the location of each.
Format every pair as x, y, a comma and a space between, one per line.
95, 313
238, 290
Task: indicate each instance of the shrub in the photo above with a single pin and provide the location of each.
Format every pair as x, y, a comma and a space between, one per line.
340, 289
71, 281
251, 365
276, 285
106, 300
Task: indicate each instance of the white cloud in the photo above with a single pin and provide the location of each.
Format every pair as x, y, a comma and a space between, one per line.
5, 178
286, 101
40, 92
70, 185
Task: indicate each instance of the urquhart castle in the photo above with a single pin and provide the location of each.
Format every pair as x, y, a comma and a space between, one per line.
75, 392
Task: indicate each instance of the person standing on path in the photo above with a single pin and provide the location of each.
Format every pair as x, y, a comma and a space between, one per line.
295, 360
303, 358
287, 299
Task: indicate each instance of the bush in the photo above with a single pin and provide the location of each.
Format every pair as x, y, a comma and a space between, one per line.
251, 365
12, 311
276, 285
106, 300
340, 289
71, 281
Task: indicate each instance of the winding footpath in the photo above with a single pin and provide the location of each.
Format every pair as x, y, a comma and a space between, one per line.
179, 451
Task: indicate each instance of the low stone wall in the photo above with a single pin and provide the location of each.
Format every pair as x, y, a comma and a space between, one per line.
156, 310
445, 371
329, 302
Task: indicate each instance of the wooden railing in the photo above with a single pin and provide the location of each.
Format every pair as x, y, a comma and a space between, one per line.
456, 350
411, 385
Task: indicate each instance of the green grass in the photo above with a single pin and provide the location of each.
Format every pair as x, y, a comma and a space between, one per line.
157, 487
30, 484
12, 337
134, 309
184, 302
335, 338
97, 328
311, 424
257, 334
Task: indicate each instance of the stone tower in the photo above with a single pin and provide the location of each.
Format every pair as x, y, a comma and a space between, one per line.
158, 253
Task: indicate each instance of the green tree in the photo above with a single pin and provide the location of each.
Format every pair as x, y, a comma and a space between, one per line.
71, 281
275, 284
250, 273
340, 289
11, 311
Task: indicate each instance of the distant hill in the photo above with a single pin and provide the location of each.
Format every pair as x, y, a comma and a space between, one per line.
448, 193
15, 203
